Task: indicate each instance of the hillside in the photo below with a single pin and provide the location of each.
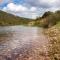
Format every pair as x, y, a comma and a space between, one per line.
53, 33
48, 19
9, 19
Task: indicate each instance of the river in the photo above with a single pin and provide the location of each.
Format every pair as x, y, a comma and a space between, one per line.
22, 43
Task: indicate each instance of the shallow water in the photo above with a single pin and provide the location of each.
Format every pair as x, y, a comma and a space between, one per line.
16, 40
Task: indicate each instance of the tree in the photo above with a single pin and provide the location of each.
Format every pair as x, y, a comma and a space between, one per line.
47, 14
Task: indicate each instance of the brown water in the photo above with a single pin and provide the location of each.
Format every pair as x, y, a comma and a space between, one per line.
23, 43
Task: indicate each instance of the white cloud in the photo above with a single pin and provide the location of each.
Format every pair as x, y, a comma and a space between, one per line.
53, 9
33, 9
48, 1
21, 10
36, 7
15, 8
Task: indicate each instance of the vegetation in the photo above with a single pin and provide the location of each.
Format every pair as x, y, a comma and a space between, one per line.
7, 19
53, 34
49, 19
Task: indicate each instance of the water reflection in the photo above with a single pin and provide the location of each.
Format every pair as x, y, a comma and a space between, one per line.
22, 43
15, 38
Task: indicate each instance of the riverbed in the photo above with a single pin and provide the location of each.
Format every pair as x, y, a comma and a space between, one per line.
23, 43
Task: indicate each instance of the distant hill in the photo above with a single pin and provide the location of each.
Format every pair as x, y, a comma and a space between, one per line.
9, 19
48, 19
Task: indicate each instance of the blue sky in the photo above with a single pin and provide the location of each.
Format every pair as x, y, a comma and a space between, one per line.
29, 8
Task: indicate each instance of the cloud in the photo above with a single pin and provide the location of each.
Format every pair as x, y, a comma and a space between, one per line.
43, 3
30, 8
38, 3
16, 8
21, 10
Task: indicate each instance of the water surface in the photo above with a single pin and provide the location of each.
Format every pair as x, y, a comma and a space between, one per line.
17, 40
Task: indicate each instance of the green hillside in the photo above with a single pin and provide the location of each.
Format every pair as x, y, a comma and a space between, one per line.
9, 19
48, 19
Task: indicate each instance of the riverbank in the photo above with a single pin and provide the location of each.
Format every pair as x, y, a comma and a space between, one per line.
53, 34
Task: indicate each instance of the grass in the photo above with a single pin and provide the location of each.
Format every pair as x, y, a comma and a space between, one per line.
58, 24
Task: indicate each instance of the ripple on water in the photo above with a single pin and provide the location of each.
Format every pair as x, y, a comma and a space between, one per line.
17, 42
13, 36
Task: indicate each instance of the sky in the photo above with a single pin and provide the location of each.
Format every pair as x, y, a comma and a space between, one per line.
29, 8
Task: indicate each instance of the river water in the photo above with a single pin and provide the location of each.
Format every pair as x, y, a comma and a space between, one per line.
16, 41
